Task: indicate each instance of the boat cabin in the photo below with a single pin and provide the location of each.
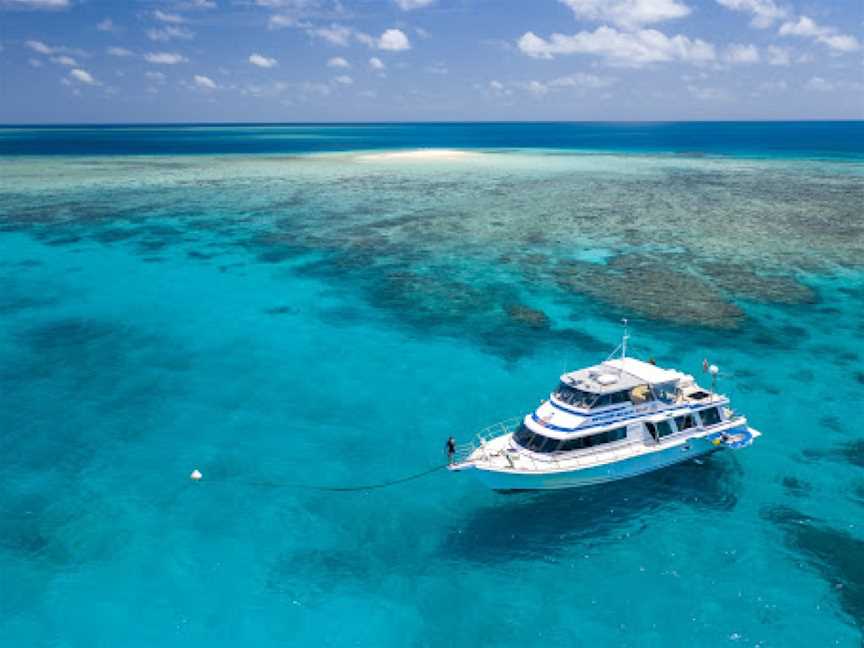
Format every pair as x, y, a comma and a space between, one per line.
649, 430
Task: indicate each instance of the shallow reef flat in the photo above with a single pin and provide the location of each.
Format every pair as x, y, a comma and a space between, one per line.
724, 230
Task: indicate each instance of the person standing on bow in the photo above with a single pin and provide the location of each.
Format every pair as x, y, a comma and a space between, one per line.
451, 450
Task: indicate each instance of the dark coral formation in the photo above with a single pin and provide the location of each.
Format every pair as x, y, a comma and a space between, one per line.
643, 286
835, 554
527, 315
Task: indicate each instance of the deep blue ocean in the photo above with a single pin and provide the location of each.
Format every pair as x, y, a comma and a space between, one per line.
325, 304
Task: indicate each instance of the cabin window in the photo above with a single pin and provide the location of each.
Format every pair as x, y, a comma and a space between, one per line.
710, 416
652, 430
665, 393
536, 442
611, 399
533, 441
618, 434
545, 445
601, 401
663, 428
685, 422
522, 435
619, 397
578, 398
593, 440
572, 444
573, 396
551, 445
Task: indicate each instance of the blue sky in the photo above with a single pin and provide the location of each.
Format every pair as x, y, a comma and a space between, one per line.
323, 60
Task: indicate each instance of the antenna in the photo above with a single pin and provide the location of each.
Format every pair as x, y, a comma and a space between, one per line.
713, 370
624, 339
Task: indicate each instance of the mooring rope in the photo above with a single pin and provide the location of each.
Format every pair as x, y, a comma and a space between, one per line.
197, 476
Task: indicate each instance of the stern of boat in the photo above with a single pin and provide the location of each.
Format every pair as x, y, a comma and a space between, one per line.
735, 438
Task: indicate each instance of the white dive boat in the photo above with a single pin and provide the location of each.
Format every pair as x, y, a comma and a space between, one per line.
618, 419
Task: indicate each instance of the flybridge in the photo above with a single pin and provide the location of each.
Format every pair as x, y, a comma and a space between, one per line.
620, 374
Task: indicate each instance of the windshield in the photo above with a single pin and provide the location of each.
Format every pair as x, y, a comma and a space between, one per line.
533, 441
586, 400
573, 396
543, 444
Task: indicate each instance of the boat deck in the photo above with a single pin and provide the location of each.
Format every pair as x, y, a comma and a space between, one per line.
495, 454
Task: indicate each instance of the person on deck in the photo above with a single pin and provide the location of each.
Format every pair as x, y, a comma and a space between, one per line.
451, 450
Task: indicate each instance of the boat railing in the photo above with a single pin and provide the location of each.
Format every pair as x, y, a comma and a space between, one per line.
507, 426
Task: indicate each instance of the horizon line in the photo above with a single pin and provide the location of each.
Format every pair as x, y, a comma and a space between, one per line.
428, 122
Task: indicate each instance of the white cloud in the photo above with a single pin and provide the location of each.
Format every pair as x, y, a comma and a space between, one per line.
338, 62
736, 53
807, 28
158, 77
36, 4
580, 81
536, 88
818, 84
764, 12
437, 68
39, 46
620, 48
205, 83
629, 14
708, 94
118, 51
313, 88
344, 79
804, 27
34, 62
163, 16
778, 55
263, 61
170, 32
272, 89
774, 86
409, 5
376, 64
394, 40
165, 58
48, 50
106, 25
64, 60
278, 21
83, 76
334, 34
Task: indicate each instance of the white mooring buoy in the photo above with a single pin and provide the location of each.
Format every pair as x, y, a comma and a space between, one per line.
196, 475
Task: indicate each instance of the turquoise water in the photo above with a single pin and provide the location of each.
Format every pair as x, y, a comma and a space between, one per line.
329, 316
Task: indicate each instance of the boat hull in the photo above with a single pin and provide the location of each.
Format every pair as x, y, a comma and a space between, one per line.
506, 480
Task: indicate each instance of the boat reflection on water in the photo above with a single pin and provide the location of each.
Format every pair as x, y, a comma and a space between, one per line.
540, 524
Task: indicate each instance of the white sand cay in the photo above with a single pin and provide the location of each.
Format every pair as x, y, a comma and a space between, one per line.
422, 155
